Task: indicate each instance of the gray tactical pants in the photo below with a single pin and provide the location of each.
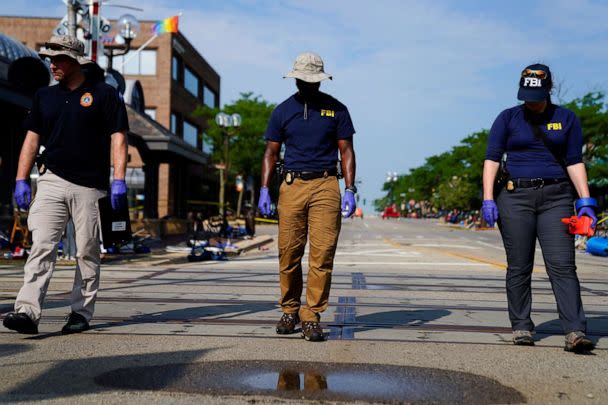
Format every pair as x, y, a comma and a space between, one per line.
524, 215
56, 201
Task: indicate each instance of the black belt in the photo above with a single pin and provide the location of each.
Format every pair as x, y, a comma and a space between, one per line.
536, 183
290, 175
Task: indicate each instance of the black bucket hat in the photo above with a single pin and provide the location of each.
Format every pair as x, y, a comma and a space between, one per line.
535, 83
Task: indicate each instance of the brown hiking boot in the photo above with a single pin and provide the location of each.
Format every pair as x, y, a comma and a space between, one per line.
287, 324
578, 342
312, 331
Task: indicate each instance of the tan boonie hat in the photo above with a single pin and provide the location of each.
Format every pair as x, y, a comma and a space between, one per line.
308, 67
64, 45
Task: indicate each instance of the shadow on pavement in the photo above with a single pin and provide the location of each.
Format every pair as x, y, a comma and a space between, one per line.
49, 303
597, 326
11, 349
186, 315
76, 377
5, 308
391, 319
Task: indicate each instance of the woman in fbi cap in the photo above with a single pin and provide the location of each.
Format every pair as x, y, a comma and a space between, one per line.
535, 151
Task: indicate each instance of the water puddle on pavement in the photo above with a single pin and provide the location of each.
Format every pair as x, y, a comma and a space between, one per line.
316, 381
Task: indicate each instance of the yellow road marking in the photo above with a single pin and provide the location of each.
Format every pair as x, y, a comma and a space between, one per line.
493, 263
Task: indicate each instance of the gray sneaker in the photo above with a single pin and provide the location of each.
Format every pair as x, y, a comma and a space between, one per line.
578, 342
523, 338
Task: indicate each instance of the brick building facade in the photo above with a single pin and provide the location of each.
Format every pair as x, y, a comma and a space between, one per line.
176, 80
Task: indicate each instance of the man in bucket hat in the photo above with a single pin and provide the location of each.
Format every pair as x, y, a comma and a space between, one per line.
314, 127
80, 122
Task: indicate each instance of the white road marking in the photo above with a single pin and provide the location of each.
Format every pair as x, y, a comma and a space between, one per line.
445, 245
370, 263
365, 224
490, 245
395, 255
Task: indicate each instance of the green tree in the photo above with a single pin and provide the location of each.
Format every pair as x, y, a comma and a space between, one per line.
453, 179
591, 110
246, 144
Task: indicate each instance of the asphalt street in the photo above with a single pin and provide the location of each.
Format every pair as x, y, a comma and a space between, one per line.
410, 298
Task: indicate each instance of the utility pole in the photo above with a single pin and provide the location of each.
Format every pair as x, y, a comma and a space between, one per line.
71, 17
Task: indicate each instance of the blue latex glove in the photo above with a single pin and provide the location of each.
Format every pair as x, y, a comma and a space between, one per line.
118, 194
589, 212
489, 211
23, 194
265, 202
348, 204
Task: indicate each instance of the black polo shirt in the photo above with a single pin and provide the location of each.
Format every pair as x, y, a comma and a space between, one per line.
76, 128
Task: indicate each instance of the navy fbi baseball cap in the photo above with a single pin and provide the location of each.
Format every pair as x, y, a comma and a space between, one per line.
535, 83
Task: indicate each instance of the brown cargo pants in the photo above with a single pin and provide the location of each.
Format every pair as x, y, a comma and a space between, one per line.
308, 208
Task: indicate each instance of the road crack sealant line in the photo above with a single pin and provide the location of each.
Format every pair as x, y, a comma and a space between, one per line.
346, 312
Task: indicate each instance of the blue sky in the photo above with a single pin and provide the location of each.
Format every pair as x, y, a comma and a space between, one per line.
417, 76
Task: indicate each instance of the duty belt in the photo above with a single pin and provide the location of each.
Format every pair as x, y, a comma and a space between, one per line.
291, 175
535, 183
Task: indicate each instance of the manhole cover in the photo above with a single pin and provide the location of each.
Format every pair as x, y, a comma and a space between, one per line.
320, 381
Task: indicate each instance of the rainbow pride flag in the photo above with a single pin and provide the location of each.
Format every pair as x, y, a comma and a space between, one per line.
167, 25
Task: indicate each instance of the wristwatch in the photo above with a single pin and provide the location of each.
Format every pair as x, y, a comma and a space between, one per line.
352, 189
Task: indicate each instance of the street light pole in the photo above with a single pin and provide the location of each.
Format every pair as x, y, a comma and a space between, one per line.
225, 122
128, 29
71, 17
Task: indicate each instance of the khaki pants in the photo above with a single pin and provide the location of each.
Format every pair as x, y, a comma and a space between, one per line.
308, 207
56, 201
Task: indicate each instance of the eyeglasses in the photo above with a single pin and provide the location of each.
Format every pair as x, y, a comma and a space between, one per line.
540, 74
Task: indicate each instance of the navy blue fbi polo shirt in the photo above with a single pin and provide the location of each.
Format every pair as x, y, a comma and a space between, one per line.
311, 141
527, 155
76, 127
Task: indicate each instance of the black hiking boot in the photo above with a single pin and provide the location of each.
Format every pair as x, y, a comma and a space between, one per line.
287, 324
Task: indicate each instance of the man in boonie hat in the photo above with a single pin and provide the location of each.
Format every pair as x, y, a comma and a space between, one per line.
80, 122
314, 127
64, 45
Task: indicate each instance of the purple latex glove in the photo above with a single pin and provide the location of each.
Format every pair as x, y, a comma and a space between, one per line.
348, 204
265, 202
119, 194
489, 211
23, 194
588, 212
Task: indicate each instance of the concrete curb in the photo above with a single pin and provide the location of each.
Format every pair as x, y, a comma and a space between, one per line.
247, 245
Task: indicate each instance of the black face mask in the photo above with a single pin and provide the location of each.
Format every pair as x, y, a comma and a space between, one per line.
308, 91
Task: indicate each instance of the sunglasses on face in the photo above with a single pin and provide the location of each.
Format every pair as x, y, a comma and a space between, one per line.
540, 74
